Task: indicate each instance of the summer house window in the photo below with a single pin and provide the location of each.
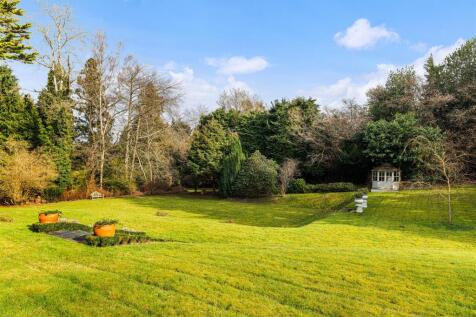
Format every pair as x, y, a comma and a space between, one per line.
397, 176
375, 176
389, 177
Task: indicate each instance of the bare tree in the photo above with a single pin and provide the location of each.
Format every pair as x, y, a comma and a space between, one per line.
99, 102
325, 133
131, 79
240, 100
61, 37
442, 162
287, 171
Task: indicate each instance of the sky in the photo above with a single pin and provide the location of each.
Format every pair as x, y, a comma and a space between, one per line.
328, 50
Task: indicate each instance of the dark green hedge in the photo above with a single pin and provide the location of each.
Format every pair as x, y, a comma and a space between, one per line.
299, 186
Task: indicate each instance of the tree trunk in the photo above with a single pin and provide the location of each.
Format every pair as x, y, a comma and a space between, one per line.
450, 211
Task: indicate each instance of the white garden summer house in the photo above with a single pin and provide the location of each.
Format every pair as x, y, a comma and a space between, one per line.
385, 178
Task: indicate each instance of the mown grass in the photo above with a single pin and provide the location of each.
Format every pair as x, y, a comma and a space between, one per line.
283, 257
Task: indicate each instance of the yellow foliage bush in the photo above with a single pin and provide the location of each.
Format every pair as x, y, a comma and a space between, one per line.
23, 173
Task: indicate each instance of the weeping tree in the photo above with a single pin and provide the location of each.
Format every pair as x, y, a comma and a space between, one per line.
231, 165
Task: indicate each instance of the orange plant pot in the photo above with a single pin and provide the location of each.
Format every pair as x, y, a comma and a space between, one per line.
50, 218
105, 230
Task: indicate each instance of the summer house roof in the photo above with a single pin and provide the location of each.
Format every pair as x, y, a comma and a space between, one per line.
385, 167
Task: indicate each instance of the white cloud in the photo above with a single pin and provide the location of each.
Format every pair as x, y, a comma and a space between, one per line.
438, 52
196, 91
238, 64
362, 35
331, 95
199, 93
232, 82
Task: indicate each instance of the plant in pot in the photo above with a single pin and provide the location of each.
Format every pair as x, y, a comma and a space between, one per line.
49, 216
105, 227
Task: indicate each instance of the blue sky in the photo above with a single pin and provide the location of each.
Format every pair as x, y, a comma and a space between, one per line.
325, 49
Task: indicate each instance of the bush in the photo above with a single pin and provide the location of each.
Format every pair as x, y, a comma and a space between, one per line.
331, 187
119, 186
52, 194
50, 212
23, 174
257, 177
104, 222
297, 186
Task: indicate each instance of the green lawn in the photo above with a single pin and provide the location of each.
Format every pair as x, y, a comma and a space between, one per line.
282, 257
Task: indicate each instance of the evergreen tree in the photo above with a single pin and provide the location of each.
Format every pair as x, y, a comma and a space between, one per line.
14, 117
13, 35
55, 124
231, 165
209, 141
257, 178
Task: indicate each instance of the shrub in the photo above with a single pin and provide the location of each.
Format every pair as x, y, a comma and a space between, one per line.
50, 212
105, 221
257, 177
297, 186
52, 193
23, 173
119, 186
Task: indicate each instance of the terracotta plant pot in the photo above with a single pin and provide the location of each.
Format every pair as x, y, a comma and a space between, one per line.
49, 218
105, 230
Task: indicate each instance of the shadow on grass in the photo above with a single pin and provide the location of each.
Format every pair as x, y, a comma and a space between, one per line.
275, 212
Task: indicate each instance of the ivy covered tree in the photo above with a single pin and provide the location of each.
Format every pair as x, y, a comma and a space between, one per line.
232, 162
55, 127
13, 34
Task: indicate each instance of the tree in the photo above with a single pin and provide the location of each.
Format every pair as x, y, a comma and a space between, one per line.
207, 149
231, 166
441, 162
13, 34
98, 104
55, 111
240, 100
61, 38
257, 178
401, 94
449, 98
282, 141
386, 140
15, 117
287, 170
23, 174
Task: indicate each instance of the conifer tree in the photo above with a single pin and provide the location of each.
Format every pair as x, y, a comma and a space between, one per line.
14, 117
13, 34
231, 166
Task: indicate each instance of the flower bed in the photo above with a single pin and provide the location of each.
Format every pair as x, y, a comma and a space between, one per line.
121, 237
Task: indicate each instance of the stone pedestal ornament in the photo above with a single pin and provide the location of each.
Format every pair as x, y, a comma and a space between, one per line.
358, 204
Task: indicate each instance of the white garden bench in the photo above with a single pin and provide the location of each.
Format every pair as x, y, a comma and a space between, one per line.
95, 195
